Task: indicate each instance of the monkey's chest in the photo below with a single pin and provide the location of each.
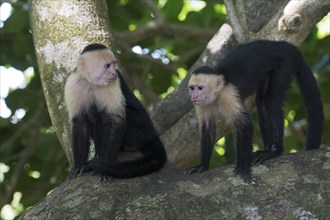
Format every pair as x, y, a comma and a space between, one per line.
109, 99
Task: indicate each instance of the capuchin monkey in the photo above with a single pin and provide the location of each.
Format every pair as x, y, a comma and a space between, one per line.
264, 68
102, 108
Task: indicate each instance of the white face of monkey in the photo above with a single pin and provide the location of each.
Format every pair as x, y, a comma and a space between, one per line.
204, 88
98, 67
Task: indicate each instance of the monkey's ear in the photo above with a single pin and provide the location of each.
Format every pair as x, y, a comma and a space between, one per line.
81, 62
220, 83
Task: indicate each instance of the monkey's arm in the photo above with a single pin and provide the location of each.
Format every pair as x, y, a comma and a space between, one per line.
81, 131
207, 142
244, 133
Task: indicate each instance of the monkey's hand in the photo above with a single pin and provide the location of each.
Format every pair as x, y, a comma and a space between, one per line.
244, 173
77, 171
74, 172
196, 169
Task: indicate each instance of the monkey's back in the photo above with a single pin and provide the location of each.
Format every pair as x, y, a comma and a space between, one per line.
248, 66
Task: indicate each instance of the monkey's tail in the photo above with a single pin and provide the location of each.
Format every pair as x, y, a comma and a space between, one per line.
153, 159
312, 98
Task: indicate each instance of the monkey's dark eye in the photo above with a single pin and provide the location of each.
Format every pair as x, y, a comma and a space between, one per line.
107, 65
191, 88
200, 87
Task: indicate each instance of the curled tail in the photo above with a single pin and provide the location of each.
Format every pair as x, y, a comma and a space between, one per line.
153, 159
313, 102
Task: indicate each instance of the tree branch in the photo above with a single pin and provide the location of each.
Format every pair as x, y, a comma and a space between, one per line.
156, 28
158, 14
275, 194
26, 125
241, 14
239, 31
25, 154
295, 22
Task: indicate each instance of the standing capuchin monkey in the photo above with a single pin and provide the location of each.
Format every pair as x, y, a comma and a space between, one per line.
265, 68
102, 108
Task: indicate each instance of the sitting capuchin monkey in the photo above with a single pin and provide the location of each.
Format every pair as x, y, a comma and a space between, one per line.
264, 68
102, 108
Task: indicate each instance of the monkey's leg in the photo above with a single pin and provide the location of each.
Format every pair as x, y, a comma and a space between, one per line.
244, 133
98, 134
113, 136
262, 113
107, 143
271, 122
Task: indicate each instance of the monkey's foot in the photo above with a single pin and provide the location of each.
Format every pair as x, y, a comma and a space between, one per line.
74, 172
196, 169
261, 156
244, 173
104, 178
78, 171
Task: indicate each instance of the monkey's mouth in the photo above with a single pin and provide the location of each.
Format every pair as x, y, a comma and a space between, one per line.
198, 102
111, 80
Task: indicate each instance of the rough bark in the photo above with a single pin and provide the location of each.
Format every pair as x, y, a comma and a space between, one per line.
294, 186
61, 29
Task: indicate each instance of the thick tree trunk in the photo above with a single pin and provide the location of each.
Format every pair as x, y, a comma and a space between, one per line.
61, 29
294, 186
